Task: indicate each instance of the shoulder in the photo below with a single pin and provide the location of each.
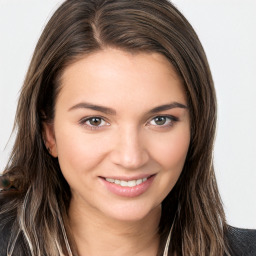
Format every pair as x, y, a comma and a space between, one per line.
7, 218
5, 231
242, 242
5, 228
8, 226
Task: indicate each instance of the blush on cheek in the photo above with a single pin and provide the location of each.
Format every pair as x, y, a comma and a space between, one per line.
78, 153
172, 151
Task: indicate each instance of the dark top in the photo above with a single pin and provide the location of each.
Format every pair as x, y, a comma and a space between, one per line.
242, 242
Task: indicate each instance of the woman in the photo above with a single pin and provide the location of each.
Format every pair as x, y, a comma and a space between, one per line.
115, 129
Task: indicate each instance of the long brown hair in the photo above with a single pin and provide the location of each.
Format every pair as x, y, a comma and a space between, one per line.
40, 200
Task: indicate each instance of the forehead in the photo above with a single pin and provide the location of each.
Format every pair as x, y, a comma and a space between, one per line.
113, 75
115, 58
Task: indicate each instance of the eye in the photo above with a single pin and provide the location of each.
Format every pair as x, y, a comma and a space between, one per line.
163, 121
94, 122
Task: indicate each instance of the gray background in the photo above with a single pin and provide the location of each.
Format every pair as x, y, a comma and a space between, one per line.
227, 31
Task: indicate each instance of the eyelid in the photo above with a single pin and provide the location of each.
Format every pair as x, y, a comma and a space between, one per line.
83, 121
171, 117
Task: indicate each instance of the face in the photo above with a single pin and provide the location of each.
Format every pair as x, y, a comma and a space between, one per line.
121, 132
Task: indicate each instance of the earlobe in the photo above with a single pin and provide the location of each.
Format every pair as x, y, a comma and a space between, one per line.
49, 138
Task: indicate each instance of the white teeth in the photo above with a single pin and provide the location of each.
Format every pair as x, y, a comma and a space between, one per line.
124, 183
130, 183
138, 182
117, 182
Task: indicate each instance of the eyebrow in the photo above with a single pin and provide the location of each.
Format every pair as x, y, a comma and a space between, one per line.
166, 107
111, 111
99, 108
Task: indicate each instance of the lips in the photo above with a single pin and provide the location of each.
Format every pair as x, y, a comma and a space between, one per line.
128, 187
124, 183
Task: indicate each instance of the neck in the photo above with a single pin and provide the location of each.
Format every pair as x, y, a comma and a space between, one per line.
96, 234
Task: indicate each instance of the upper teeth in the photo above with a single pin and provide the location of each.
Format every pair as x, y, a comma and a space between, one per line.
123, 183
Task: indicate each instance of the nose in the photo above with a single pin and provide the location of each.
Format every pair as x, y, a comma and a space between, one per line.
129, 151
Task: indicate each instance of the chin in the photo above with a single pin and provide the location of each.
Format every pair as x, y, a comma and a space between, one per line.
132, 213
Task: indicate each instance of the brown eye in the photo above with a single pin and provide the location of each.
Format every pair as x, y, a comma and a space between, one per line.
160, 120
163, 121
95, 121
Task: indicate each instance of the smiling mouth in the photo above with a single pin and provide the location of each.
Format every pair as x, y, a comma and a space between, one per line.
128, 187
130, 183
127, 183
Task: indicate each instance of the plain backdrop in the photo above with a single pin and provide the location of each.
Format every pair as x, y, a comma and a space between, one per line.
227, 29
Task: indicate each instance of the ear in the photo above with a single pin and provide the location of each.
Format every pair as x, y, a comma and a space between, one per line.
49, 138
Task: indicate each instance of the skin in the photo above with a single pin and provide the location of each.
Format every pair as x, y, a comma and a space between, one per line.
128, 143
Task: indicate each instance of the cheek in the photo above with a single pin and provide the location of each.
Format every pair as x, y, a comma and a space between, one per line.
78, 152
170, 151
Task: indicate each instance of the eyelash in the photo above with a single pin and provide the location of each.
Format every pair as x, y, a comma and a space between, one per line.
172, 121
92, 127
